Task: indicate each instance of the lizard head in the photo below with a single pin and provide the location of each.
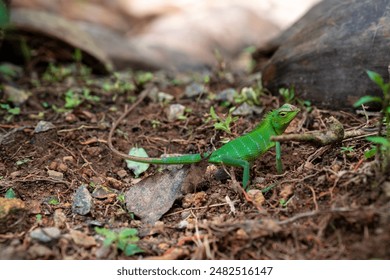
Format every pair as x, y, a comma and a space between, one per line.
281, 118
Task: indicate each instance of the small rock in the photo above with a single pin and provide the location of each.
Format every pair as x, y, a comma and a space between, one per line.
175, 111
15, 95
122, 173
164, 97
241, 234
59, 218
257, 197
15, 174
43, 126
81, 239
259, 180
55, 175
45, 235
53, 165
114, 183
154, 196
68, 159
82, 201
183, 224
12, 214
226, 95
103, 252
95, 223
94, 151
39, 251
97, 180
245, 109
287, 191
194, 89
62, 167
70, 118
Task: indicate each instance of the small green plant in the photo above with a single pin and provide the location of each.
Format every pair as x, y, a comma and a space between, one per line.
287, 94
53, 201
126, 240
290, 97
72, 99
155, 123
248, 95
55, 73
348, 151
283, 202
381, 143
143, 77
9, 71
38, 218
10, 193
12, 111
221, 123
121, 198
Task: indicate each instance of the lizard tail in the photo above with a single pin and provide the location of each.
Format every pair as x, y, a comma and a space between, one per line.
184, 159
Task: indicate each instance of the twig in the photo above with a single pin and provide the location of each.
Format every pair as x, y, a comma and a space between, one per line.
198, 208
333, 134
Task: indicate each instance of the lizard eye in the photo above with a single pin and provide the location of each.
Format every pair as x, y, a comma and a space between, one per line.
283, 114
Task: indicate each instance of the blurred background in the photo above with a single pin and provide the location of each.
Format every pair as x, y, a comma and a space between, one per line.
160, 34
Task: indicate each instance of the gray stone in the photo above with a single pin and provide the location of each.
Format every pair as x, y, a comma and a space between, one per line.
45, 235
82, 201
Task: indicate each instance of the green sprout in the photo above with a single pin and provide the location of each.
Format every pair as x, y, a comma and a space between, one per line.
381, 143
13, 111
347, 150
10, 193
53, 201
290, 97
126, 240
248, 95
221, 123
143, 77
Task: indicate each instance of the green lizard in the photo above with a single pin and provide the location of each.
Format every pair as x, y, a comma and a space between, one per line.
240, 151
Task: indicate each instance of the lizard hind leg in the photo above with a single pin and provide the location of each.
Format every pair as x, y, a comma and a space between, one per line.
231, 161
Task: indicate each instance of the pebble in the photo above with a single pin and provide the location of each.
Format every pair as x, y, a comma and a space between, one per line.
59, 218
122, 173
55, 174
68, 159
45, 235
164, 97
226, 95
43, 126
82, 201
15, 174
81, 239
194, 89
39, 251
174, 111
245, 109
62, 167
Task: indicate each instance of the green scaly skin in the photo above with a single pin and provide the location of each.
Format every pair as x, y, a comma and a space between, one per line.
240, 151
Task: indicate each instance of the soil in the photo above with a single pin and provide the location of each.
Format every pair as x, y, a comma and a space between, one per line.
331, 202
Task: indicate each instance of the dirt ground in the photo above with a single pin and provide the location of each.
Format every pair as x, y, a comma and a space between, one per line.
331, 202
